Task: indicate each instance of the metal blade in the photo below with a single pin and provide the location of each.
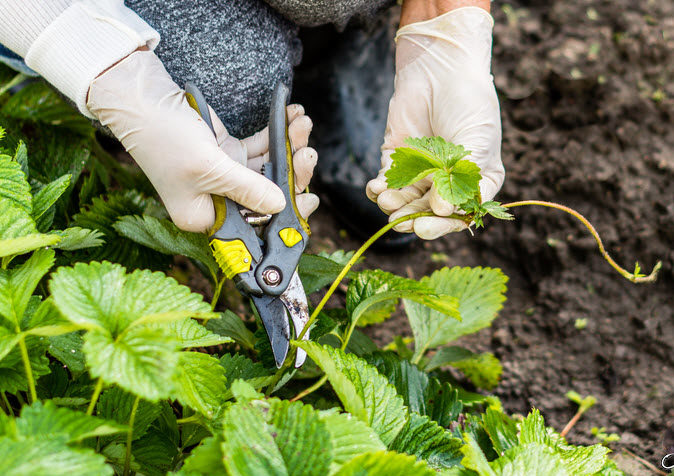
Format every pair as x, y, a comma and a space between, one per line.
295, 300
275, 320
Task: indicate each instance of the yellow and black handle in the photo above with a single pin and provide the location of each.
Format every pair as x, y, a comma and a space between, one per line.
235, 245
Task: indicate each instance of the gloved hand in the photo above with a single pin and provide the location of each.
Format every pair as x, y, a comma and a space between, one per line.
443, 87
148, 113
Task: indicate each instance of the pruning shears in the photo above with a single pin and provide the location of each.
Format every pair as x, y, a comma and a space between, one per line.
265, 270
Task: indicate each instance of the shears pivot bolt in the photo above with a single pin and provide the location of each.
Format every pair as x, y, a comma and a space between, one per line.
272, 276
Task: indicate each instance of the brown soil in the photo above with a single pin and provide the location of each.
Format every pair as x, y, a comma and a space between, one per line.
587, 94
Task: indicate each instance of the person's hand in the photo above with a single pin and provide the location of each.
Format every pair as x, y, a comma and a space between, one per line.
148, 113
443, 87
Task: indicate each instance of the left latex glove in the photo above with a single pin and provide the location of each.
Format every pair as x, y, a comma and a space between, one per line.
443, 87
253, 152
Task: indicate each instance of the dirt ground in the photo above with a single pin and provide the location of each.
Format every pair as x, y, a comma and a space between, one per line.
587, 97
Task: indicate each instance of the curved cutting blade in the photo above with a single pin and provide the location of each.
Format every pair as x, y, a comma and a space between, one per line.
295, 300
275, 320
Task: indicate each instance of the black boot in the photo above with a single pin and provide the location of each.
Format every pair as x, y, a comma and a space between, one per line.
345, 83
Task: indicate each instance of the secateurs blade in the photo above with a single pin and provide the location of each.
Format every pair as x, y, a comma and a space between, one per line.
265, 269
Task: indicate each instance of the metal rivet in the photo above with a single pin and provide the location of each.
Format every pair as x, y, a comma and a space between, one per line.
272, 276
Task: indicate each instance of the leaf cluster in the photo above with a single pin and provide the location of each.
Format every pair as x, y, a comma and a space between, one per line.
456, 178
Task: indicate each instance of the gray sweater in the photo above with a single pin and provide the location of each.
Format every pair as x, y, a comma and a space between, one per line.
237, 50
320, 12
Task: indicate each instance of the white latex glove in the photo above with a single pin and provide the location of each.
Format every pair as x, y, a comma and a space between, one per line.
148, 113
443, 87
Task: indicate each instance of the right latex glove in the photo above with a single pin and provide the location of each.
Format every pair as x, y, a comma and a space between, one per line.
443, 87
148, 113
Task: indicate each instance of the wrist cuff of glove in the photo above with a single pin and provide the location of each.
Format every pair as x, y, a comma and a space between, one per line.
86, 39
459, 23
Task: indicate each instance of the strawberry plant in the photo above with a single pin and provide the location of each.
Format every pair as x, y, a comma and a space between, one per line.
108, 365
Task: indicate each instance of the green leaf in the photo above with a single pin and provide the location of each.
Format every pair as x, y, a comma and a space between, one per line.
317, 272
409, 166
163, 236
47, 321
103, 213
385, 463
199, 382
372, 295
38, 457
421, 393
230, 325
439, 149
239, 367
206, 459
576, 460
12, 370
497, 211
501, 428
102, 296
530, 459
15, 201
44, 421
154, 453
459, 184
350, 437
190, 333
76, 238
362, 390
14, 188
302, 438
17, 286
26, 243
116, 404
141, 361
480, 291
67, 349
474, 458
8, 339
21, 156
483, 370
425, 439
248, 447
47, 196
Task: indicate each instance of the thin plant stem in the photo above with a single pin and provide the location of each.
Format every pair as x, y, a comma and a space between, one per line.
319, 383
354, 259
572, 423
129, 436
189, 419
623, 272
16, 80
345, 270
29, 370
94, 396
10, 411
216, 292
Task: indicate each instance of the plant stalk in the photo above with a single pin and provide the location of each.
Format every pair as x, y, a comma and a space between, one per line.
10, 411
345, 270
623, 272
29, 370
94, 396
572, 422
216, 292
354, 259
129, 436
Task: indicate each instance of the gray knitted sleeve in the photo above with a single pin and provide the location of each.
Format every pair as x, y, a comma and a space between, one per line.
320, 12
234, 50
